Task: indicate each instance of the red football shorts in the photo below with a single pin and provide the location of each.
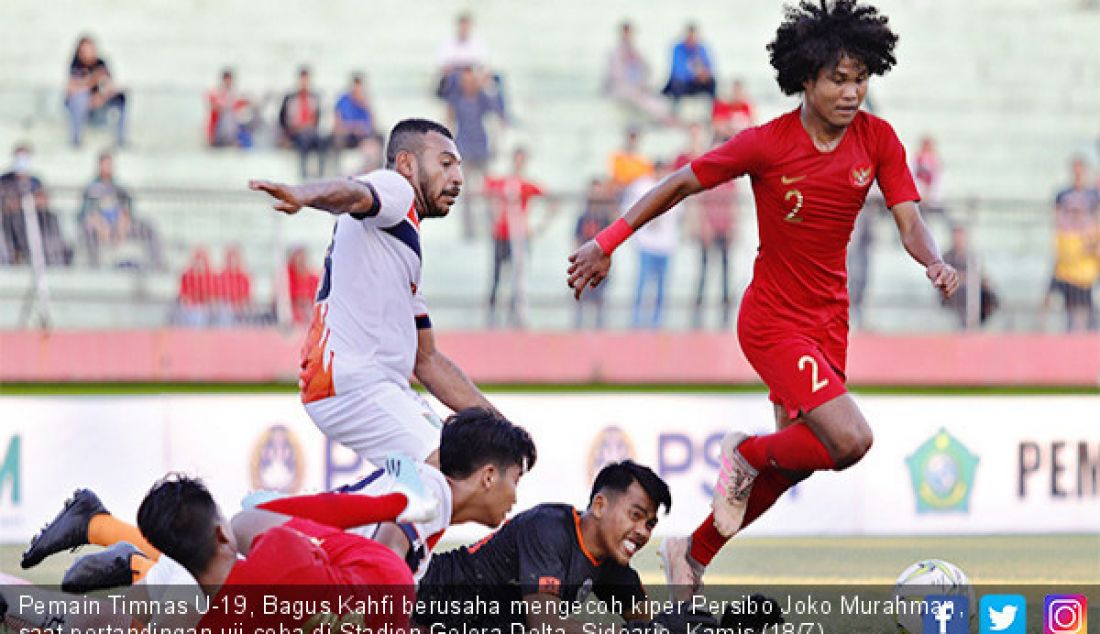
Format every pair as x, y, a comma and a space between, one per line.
354, 559
800, 372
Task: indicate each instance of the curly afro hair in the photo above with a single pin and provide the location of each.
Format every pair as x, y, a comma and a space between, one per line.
816, 35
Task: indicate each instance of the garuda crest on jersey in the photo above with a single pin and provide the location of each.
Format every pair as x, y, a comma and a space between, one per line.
860, 176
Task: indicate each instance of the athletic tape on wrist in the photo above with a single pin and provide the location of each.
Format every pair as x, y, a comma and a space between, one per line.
611, 237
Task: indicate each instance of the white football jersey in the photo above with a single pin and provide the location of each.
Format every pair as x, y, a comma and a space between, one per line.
369, 305
422, 537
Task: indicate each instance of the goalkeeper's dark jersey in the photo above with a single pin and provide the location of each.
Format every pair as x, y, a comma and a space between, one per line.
538, 551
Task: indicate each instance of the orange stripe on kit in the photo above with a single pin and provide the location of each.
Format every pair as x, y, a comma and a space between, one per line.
315, 377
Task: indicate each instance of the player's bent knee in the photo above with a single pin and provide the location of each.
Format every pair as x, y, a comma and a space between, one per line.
856, 443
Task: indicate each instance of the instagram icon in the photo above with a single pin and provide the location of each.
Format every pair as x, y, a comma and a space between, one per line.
1065, 614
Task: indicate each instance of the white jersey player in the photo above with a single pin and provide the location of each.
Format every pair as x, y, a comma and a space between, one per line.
482, 457
370, 328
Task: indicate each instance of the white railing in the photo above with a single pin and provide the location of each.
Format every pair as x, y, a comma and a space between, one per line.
136, 282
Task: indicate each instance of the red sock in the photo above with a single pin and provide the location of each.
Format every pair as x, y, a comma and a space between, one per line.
766, 489
706, 541
341, 510
795, 448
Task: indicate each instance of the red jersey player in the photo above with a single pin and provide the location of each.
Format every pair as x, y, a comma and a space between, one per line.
810, 171
324, 571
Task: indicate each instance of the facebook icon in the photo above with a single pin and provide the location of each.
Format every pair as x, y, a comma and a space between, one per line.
946, 614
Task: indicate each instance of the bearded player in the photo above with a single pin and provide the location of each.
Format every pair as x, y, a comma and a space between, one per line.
810, 171
370, 330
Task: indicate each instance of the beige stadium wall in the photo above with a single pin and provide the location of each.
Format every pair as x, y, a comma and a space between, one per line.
940, 465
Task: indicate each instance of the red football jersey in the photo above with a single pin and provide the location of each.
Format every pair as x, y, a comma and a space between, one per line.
322, 568
806, 205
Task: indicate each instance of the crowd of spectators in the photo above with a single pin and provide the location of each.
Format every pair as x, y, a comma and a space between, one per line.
209, 296
709, 221
108, 233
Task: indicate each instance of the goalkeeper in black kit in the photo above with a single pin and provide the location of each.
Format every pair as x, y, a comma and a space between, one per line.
543, 565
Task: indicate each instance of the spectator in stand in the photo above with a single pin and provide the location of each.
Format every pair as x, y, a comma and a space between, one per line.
460, 52
468, 106
197, 293
234, 289
928, 175
1077, 195
371, 153
19, 188
859, 253
353, 117
598, 208
962, 257
107, 221
656, 241
300, 121
712, 224
728, 117
91, 93
628, 164
692, 70
508, 198
1076, 264
627, 79
231, 115
301, 285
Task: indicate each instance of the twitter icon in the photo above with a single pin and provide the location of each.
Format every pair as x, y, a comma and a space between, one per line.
1003, 613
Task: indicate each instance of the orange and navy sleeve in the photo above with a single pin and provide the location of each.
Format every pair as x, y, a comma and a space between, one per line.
542, 551
740, 155
393, 197
894, 178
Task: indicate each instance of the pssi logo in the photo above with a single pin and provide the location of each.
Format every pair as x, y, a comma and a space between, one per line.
11, 482
278, 462
680, 454
612, 444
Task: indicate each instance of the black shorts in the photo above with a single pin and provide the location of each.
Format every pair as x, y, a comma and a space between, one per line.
1075, 296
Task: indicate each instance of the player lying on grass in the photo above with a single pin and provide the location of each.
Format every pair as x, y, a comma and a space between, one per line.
290, 559
553, 556
482, 458
810, 170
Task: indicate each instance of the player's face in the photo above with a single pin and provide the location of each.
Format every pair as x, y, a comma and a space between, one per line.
439, 175
836, 94
501, 496
627, 523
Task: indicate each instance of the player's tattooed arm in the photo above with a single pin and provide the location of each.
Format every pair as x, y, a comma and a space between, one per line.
920, 244
337, 196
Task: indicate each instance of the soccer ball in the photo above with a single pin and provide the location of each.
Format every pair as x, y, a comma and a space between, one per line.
929, 577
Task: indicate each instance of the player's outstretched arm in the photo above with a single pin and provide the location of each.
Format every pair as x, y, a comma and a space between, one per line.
589, 264
445, 380
337, 196
922, 247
